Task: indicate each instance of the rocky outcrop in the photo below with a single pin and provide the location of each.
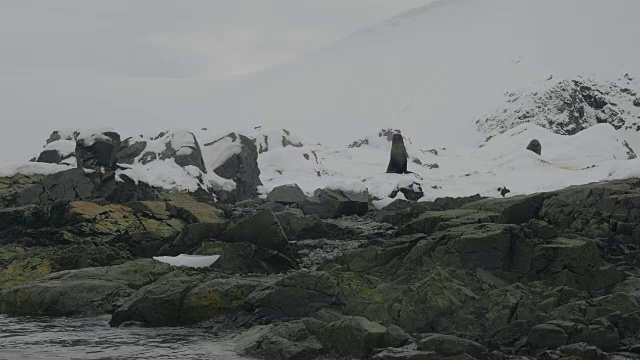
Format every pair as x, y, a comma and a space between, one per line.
80, 292
548, 275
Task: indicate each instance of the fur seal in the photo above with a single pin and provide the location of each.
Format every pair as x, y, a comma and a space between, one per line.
535, 146
399, 156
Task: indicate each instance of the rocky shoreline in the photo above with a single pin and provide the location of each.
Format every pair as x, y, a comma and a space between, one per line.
551, 275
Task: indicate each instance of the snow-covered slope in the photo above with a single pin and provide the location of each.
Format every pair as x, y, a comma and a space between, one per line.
597, 153
435, 70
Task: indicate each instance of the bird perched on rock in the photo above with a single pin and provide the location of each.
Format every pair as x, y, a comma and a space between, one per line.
504, 191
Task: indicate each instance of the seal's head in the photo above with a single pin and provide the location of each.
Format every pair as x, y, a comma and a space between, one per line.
397, 138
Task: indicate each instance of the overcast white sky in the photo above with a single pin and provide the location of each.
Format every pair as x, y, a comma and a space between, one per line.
174, 38
96, 63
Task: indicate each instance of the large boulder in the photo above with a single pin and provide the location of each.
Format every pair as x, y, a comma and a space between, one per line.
97, 150
333, 203
61, 151
76, 184
291, 340
287, 195
353, 336
187, 298
263, 229
179, 145
241, 166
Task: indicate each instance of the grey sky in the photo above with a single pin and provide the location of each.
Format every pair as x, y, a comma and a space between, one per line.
174, 38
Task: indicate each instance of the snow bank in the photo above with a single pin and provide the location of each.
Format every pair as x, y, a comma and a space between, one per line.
32, 168
166, 174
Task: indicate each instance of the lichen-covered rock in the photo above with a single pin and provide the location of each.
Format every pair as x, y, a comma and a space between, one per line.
88, 291
432, 221
19, 265
329, 203
94, 220
291, 340
435, 297
354, 336
217, 297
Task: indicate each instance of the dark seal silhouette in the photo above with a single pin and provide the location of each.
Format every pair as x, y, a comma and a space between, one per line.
398, 161
535, 146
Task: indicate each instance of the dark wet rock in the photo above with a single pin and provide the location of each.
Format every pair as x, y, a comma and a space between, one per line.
16, 216
263, 229
449, 346
329, 203
242, 168
547, 336
80, 292
287, 195
291, 340
98, 151
159, 303
535, 146
246, 258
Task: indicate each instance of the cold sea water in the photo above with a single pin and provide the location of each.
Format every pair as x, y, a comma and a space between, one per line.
33, 338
